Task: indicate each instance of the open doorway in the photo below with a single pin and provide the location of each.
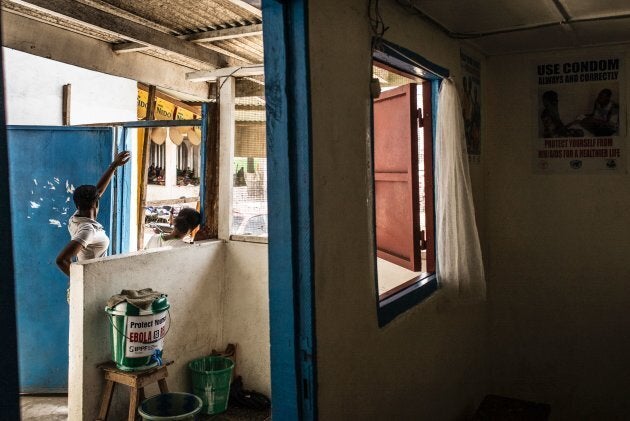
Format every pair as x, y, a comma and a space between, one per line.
208, 265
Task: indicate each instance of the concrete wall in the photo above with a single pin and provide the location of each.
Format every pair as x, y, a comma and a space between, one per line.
193, 279
558, 259
34, 92
156, 192
58, 44
246, 312
218, 293
429, 363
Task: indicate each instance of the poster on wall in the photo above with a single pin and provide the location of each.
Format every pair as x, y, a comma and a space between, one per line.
579, 125
471, 105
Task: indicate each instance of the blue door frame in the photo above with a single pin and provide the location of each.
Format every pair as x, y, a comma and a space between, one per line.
291, 308
9, 401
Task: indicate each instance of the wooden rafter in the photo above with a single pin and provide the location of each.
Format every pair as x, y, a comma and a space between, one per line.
200, 37
125, 28
237, 71
246, 6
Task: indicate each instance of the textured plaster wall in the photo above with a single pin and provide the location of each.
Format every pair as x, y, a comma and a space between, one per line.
193, 279
246, 312
218, 293
429, 363
34, 92
558, 259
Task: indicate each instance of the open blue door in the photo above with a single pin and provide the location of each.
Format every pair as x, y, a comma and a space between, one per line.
45, 164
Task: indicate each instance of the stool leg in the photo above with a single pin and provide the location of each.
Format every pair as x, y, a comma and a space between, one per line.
133, 403
106, 400
163, 386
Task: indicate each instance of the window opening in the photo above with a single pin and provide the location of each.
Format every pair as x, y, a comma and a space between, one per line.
173, 181
249, 186
402, 163
157, 164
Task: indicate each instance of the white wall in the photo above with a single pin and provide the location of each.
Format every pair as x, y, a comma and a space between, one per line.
429, 363
33, 88
156, 192
558, 259
193, 279
218, 294
246, 312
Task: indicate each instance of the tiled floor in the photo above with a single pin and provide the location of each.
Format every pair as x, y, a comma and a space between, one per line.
55, 408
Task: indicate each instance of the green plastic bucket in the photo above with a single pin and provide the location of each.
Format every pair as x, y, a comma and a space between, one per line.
170, 406
137, 335
211, 382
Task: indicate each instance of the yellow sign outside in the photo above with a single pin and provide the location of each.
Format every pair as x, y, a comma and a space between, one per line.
143, 99
163, 109
184, 114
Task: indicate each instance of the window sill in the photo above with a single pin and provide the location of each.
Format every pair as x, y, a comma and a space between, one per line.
419, 290
249, 239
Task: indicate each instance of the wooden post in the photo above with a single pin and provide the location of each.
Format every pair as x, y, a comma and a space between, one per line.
65, 105
144, 165
226, 141
209, 193
211, 176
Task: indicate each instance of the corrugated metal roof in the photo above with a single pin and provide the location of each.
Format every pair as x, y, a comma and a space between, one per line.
185, 17
174, 17
8, 6
249, 48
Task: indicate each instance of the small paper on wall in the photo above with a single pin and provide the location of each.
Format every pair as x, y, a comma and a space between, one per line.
471, 105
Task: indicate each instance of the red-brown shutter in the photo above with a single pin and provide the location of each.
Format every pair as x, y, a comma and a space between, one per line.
396, 177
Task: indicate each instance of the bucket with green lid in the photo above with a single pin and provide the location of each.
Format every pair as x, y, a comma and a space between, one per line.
137, 335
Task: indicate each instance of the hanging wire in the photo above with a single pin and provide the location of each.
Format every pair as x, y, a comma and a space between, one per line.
226, 78
377, 24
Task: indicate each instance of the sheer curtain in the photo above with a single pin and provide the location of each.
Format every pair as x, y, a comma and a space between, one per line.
459, 263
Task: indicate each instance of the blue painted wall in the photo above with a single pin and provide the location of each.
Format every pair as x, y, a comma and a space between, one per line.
45, 164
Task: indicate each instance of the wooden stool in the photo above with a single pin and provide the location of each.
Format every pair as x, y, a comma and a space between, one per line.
136, 380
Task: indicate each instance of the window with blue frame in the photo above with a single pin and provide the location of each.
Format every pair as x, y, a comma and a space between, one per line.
402, 145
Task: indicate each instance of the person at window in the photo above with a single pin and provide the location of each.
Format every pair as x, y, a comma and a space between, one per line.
88, 239
185, 224
604, 120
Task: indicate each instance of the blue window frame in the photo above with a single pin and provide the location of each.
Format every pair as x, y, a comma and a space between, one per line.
408, 62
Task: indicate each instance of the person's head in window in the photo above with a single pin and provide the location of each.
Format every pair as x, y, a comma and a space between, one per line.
86, 199
186, 222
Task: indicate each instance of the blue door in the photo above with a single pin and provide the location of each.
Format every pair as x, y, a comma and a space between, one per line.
45, 164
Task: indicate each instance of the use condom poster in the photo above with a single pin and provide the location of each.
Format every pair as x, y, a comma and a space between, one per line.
580, 117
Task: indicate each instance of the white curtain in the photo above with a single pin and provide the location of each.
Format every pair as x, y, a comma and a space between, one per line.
459, 262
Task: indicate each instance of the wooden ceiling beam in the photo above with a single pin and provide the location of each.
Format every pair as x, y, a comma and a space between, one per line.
236, 71
196, 109
200, 37
248, 7
227, 33
125, 28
